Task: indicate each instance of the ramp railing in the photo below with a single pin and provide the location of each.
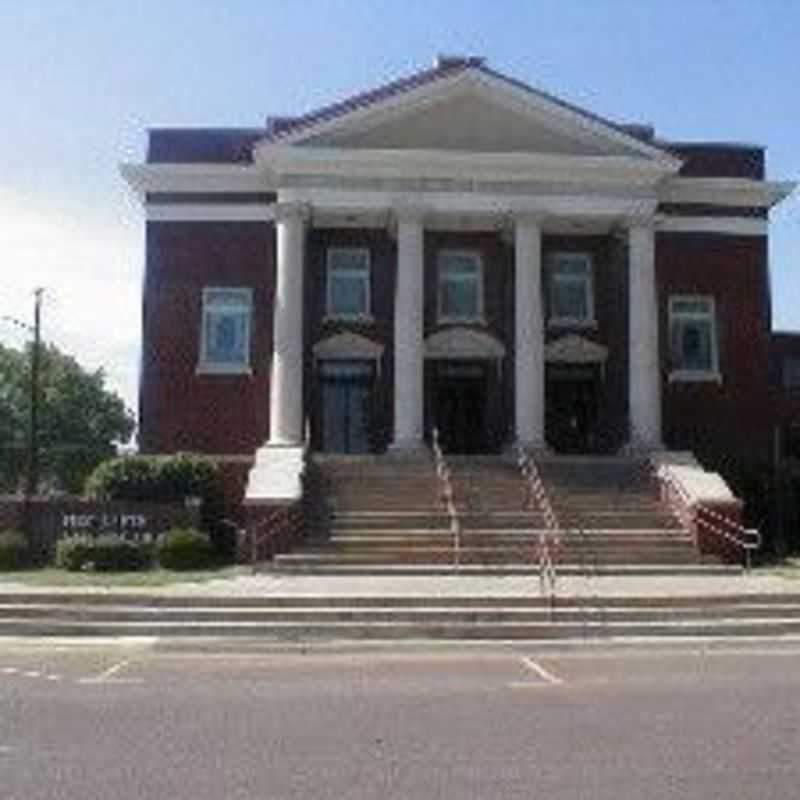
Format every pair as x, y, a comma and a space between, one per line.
549, 539
446, 493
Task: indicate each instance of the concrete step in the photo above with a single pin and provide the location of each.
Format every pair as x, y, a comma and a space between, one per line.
447, 630
377, 612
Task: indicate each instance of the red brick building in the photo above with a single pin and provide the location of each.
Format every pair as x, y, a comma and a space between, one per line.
453, 250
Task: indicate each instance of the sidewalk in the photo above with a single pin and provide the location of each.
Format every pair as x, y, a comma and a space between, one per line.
267, 584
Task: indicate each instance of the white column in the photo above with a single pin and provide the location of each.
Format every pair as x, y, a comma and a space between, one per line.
286, 386
644, 390
409, 331
529, 332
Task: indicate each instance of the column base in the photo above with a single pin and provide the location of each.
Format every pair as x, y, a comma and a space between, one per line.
640, 447
535, 447
277, 475
408, 448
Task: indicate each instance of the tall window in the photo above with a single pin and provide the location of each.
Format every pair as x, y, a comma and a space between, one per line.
693, 336
225, 338
460, 286
570, 288
348, 282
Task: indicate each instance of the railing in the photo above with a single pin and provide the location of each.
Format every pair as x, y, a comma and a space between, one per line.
445, 478
550, 535
692, 514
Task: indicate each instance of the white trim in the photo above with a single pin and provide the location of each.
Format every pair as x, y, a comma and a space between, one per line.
478, 316
280, 159
206, 366
725, 191
682, 373
144, 178
574, 349
209, 212
454, 203
462, 343
347, 346
695, 376
735, 226
359, 315
500, 90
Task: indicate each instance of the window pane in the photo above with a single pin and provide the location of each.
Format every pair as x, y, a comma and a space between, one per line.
458, 265
459, 298
227, 298
348, 295
226, 337
694, 344
569, 300
692, 305
349, 259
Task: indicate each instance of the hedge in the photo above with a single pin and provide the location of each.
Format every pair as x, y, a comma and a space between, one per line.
105, 553
14, 553
185, 548
170, 478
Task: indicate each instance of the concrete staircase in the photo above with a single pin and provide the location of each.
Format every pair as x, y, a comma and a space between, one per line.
278, 619
384, 515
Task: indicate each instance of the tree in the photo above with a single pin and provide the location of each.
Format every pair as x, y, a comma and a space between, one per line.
79, 419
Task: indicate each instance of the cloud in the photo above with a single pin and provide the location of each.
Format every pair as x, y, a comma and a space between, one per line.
90, 270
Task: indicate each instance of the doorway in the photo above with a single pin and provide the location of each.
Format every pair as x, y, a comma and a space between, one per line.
571, 408
346, 408
459, 406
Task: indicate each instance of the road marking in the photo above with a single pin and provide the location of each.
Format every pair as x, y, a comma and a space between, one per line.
108, 675
546, 676
32, 673
53, 678
10, 670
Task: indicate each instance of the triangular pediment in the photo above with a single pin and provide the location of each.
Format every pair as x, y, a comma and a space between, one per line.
471, 121
478, 110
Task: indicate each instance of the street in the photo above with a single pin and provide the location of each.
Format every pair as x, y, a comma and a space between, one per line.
134, 721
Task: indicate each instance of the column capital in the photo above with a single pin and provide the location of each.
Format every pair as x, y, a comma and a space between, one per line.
641, 215
287, 211
527, 216
407, 211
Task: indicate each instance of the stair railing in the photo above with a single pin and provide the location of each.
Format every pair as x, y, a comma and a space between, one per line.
550, 536
445, 477
744, 539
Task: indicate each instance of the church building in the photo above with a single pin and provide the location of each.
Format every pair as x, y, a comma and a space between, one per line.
458, 251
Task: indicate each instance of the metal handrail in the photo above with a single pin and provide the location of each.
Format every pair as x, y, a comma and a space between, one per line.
445, 476
552, 529
731, 531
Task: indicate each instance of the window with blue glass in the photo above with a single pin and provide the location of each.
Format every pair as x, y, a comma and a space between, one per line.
348, 282
460, 286
693, 337
225, 345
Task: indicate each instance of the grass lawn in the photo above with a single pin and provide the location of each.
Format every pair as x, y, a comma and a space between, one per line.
50, 576
786, 568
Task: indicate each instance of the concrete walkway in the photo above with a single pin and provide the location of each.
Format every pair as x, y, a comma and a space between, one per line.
267, 584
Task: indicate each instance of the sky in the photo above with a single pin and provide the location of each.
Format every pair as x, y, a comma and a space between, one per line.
81, 81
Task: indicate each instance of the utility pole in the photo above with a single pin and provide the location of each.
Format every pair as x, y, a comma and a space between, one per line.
32, 482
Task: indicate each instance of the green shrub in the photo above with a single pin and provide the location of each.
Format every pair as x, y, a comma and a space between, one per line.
185, 548
14, 553
106, 553
75, 553
162, 479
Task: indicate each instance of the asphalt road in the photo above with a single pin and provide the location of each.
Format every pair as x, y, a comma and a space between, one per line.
113, 722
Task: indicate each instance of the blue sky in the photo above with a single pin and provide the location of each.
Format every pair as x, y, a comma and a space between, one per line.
82, 80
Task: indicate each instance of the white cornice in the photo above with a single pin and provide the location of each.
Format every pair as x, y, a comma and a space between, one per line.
144, 178
725, 191
733, 226
208, 212
278, 160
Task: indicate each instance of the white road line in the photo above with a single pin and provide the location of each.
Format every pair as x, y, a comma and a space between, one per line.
32, 673
108, 675
53, 677
541, 671
10, 670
